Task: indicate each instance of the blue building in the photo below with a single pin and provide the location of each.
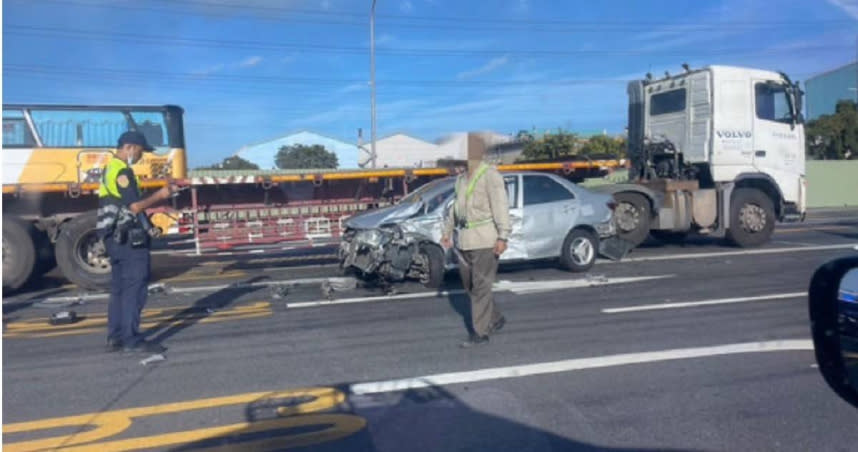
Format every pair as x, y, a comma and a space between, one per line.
824, 90
263, 154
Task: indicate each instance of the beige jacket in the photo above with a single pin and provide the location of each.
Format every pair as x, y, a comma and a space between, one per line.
488, 203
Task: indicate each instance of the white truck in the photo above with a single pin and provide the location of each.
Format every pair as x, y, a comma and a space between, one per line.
719, 151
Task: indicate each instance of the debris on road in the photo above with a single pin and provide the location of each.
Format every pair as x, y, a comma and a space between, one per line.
153, 359
278, 292
332, 285
157, 288
63, 318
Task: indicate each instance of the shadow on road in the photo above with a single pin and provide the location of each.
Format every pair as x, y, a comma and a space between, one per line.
414, 420
202, 308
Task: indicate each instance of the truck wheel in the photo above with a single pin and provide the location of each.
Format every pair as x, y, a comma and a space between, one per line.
433, 276
632, 217
81, 256
19, 254
579, 250
752, 218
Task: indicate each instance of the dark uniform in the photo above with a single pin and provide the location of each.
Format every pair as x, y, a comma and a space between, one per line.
127, 241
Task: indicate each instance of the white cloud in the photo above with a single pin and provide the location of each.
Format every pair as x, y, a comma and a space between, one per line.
850, 7
251, 61
406, 6
492, 65
354, 87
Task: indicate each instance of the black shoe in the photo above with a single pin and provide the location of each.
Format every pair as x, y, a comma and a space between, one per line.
145, 347
113, 345
474, 341
497, 326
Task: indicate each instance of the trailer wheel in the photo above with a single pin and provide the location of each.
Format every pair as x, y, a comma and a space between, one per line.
752, 218
632, 217
580, 250
433, 276
19, 254
81, 256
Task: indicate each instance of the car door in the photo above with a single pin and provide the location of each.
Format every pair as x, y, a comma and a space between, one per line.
516, 247
550, 210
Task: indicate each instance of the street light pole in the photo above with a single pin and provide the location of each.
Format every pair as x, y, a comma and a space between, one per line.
373, 155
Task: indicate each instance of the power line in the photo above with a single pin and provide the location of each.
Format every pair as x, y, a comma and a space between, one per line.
44, 32
456, 23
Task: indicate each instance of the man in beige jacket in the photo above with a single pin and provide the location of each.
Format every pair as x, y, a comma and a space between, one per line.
479, 222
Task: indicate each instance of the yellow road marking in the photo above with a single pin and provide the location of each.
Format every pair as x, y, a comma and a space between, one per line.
203, 277
111, 423
151, 318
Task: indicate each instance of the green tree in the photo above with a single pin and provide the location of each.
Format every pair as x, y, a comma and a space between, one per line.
834, 136
233, 163
550, 147
603, 144
299, 156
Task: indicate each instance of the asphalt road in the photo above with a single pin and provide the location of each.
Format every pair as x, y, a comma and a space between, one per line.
694, 347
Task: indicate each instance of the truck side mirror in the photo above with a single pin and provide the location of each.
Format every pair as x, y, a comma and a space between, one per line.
833, 308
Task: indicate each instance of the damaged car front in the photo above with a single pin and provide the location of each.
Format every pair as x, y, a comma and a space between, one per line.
400, 242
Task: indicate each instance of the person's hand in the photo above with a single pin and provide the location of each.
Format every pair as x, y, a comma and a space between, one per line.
446, 242
500, 247
163, 193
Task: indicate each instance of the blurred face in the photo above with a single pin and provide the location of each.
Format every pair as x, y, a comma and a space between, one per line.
131, 153
476, 152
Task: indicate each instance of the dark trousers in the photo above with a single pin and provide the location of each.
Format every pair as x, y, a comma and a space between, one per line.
478, 275
129, 287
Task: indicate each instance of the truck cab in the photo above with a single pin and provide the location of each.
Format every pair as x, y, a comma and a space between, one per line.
717, 151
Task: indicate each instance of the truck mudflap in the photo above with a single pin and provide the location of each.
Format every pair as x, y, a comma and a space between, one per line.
615, 248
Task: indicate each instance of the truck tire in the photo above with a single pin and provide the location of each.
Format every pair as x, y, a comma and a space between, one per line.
752, 218
81, 257
580, 250
632, 217
434, 256
19, 254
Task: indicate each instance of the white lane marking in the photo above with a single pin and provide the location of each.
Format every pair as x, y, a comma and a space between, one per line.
577, 364
668, 257
518, 288
688, 304
784, 242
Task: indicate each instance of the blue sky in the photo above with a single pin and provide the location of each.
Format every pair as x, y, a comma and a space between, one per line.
254, 70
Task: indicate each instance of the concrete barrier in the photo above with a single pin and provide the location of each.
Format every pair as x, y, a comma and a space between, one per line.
830, 183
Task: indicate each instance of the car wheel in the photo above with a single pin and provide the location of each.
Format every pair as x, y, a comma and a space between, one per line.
580, 250
433, 274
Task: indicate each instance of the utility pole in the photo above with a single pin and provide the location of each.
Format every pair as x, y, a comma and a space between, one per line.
373, 155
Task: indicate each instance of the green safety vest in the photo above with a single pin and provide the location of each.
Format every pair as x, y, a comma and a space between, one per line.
108, 179
470, 190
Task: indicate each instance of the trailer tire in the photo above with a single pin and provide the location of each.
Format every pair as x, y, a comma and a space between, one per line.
632, 216
580, 249
19, 254
752, 218
81, 257
435, 260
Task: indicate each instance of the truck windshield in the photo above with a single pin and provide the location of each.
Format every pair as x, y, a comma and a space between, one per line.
773, 102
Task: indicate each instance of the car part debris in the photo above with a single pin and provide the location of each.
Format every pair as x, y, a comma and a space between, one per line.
153, 359
157, 288
63, 318
278, 292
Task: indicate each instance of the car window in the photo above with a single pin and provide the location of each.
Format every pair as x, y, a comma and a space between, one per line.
542, 189
435, 201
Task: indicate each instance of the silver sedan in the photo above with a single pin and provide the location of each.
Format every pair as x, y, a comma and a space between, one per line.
552, 218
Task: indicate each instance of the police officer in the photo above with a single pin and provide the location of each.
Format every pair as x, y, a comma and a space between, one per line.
480, 219
126, 231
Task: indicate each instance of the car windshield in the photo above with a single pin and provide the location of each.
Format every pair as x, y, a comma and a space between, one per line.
421, 193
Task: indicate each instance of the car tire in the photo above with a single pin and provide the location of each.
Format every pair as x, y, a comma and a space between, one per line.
434, 256
752, 218
19, 254
77, 237
632, 217
580, 250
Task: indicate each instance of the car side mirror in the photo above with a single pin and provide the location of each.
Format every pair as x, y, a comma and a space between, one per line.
833, 308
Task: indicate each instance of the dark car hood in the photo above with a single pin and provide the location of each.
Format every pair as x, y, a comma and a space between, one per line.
391, 214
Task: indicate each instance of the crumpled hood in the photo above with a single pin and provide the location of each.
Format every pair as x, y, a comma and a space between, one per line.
378, 217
